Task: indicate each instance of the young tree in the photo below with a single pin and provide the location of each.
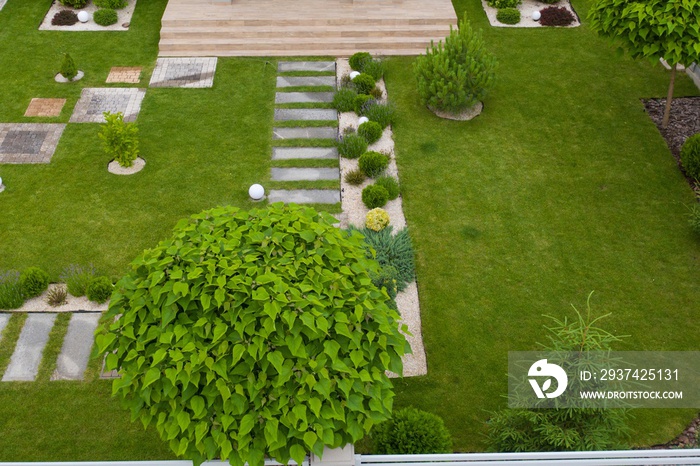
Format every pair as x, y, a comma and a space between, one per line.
668, 29
562, 429
457, 75
68, 68
119, 139
254, 333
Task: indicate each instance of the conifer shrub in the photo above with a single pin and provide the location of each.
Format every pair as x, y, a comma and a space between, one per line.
358, 60
364, 83
113, 4
371, 131
373, 163
457, 74
694, 219
411, 432
391, 185
508, 15
374, 196
105, 17
690, 156
392, 250
68, 68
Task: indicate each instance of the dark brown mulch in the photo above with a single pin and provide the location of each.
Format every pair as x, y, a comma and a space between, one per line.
684, 121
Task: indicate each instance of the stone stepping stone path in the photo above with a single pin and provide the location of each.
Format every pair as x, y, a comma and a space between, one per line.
29, 142
305, 151
94, 101
33, 338
196, 72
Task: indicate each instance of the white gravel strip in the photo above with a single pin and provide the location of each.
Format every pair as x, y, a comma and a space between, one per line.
124, 15
73, 304
527, 7
354, 212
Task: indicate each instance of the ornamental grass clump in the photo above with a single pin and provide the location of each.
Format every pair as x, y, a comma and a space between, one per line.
76, 278
457, 75
382, 113
119, 139
351, 145
344, 100
355, 177
10, 291
286, 348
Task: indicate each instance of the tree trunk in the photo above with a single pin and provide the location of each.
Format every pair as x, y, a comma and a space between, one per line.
669, 97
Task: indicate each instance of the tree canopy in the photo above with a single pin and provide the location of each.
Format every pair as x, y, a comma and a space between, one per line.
254, 333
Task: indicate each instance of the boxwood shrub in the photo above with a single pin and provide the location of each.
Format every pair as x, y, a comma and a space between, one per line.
508, 15
374, 196
33, 281
105, 17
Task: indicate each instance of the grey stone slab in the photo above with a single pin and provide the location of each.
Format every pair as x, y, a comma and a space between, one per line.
286, 153
94, 101
306, 66
305, 196
24, 363
75, 353
290, 81
192, 72
325, 132
4, 319
307, 114
304, 174
303, 97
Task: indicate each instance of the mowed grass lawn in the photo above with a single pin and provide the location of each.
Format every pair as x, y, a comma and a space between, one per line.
562, 186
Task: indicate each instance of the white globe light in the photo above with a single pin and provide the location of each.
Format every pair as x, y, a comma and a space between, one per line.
256, 192
362, 120
536, 15
354, 74
0, 181
83, 16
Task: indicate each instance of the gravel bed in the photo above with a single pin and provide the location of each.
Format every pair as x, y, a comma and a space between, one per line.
73, 304
527, 7
122, 23
354, 212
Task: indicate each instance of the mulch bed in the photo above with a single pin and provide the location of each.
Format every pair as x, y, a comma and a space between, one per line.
683, 122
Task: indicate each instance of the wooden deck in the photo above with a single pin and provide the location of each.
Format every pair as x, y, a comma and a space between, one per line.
303, 27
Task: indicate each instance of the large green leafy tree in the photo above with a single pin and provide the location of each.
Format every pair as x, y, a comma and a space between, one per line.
563, 429
253, 334
668, 29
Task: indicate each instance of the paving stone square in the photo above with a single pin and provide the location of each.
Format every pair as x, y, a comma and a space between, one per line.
305, 66
29, 142
324, 132
304, 196
124, 74
94, 101
184, 72
75, 352
45, 107
292, 81
287, 114
319, 153
24, 363
303, 97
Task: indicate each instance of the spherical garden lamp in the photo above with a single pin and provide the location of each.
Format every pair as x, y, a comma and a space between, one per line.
354, 74
256, 192
362, 119
83, 16
2, 186
536, 15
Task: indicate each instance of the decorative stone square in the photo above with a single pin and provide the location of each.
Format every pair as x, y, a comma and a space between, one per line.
29, 142
184, 72
45, 107
2, 3
124, 74
94, 101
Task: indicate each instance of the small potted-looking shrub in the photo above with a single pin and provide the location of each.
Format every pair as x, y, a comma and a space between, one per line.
120, 142
69, 72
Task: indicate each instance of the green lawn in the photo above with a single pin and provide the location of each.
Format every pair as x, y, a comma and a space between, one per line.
562, 186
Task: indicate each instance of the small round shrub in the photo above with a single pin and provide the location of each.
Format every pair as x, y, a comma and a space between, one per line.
361, 102
358, 60
99, 289
391, 185
504, 3
355, 177
374, 196
33, 281
351, 146
411, 432
105, 17
74, 3
384, 114
508, 15
373, 164
371, 131
377, 219
375, 68
64, 18
344, 100
694, 220
556, 16
363, 83
113, 4
690, 156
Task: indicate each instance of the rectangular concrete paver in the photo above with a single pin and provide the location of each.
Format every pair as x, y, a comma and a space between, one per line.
191, 72
94, 101
305, 196
285, 114
24, 363
29, 142
124, 74
290, 81
303, 97
286, 153
324, 132
304, 174
305, 66
4, 319
77, 344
